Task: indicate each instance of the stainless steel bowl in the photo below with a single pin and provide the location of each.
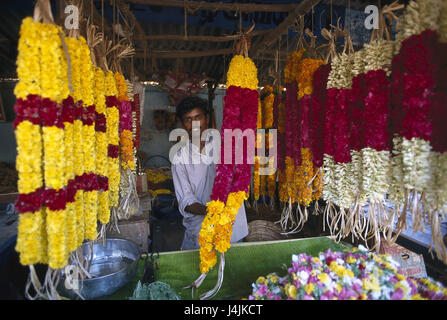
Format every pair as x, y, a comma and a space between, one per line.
112, 267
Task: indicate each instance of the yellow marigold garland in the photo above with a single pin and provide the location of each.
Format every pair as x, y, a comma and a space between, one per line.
101, 144
30, 241
69, 175
305, 172
240, 73
113, 138
28, 59
54, 85
292, 64
74, 50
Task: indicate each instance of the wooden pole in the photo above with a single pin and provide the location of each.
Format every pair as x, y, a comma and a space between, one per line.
217, 6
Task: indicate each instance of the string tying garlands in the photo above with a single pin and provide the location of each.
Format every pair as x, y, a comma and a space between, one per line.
232, 181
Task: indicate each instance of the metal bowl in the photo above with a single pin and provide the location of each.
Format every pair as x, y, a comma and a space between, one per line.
112, 267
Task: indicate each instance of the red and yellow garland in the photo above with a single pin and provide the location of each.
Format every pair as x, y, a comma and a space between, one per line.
232, 181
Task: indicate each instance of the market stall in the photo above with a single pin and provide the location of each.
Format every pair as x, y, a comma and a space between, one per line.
347, 136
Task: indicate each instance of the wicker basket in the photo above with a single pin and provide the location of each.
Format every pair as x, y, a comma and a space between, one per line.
262, 230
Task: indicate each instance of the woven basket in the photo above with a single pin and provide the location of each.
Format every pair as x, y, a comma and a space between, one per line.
262, 230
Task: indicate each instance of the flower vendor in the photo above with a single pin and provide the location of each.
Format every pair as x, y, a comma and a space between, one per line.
193, 173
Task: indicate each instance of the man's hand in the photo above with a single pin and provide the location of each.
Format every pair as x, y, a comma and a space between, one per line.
197, 209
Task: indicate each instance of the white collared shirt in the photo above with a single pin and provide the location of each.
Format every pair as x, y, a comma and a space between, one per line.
193, 182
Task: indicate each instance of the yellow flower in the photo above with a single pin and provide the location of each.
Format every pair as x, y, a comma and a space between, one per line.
28, 59
242, 73
291, 291
351, 260
121, 86
29, 157
273, 278
323, 277
53, 141
57, 239
79, 210
126, 144
417, 297
261, 280
30, 239
90, 214
309, 288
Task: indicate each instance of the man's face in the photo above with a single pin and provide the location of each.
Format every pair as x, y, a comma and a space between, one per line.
195, 114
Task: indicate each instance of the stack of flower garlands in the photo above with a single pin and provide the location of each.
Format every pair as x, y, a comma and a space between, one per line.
128, 197
419, 83
264, 175
66, 130
356, 144
348, 275
232, 180
370, 97
303, 181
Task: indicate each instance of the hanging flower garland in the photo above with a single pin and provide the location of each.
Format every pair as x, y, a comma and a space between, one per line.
306, 170
54, 88
292, 152
282, 178
68, 119
268, 124
136, 110
101, 144
256, 190
74, 50
112, 117
317, 132
30, 238
125, 127
89, 138
337, 155
419, 66
232, 181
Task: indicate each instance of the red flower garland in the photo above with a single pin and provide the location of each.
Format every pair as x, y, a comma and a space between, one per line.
136, 109
248, 120
377, 111
358, 93
125, 110
100, 122
342, 126
225, 172
113, 151
27, 109
88, 115
317, 114
417, 76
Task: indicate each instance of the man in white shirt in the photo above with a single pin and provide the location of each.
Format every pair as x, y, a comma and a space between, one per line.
193, 180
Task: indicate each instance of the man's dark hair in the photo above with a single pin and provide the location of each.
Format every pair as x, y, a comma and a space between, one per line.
190, 103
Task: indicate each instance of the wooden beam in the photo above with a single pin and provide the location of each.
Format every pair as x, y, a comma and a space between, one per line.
300, 9
219, 6
183, 54
156, 37
162, 54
